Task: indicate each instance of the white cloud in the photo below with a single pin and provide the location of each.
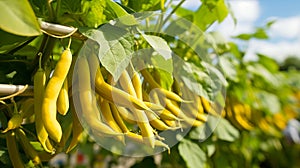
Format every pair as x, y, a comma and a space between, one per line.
246, 13
228, 28
279, 51
245, 10
286, 28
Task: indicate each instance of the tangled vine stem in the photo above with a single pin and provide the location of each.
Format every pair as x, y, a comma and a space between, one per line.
61, 30
8, 89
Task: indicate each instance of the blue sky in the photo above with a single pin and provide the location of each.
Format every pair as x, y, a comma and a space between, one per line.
284, 34
281, 8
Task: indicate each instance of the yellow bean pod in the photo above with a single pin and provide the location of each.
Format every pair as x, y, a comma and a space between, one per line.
14, 122
140, 139
77, 129
143, 123
109, 119
118, 118
153, 84
88, 101
115, 95
159, 124
63, 99
238, 112
126, 115
39, 82
13, 151
51, 94
140, 115
164, 113
128, 87
208, 107
126, 84
177, 112
27, 108
27, 147
137, 85
67, 127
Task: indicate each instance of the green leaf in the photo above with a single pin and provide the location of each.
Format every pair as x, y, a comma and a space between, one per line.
268, 102
209, 12
270, 23
163, 78
195, 86
211, 149
204, 17
93, 13
2, 153
40, 8
178, 26
221, 10
220, 127
228, 68
9, 41
159, 45
224, 130
268, 63
192, 154
115, 47
28, 51
193, 77
37, 145
215, 74
260, 70
234, 49
260, 33
221, 160
118, 12
292, 79
243, 36
17, 17
71, 6
144, 5
160, 62
164, 68
185, 13
4, 158
200, 133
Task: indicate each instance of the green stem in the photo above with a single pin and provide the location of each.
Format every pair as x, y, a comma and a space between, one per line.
37, 58
46, 48
57, 8
160, 20
29, 132
21, 46
3, 119
50, 9
172, 12
160, 23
